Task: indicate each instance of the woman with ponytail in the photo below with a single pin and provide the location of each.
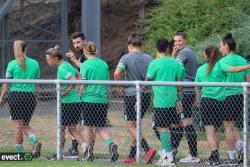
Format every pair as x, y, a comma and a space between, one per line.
212, 101
21, 97
234, 98
95, 100
71, 106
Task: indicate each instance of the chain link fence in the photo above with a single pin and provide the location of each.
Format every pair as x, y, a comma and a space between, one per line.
39, 23
108, 120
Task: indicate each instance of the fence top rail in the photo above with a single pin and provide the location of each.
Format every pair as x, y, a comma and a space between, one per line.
126, 83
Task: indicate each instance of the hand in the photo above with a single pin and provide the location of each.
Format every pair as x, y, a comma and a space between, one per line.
72, 56
179, 107
122, 92
175, 51
1, 102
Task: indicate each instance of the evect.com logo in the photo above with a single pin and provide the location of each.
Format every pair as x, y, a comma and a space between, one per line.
15, 156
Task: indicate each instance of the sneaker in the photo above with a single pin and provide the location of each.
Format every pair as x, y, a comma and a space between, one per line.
88, 155
113, 152
174, 155
129, 160
161, 159
241, 155
36, 150
214, 163
168, 162
231, 162
53, 157
150, 155
71, 153
190, 159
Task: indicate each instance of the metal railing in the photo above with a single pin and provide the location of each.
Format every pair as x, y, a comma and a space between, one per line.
138, 85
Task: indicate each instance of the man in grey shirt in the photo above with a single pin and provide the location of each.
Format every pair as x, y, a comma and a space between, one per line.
187, 57
134, 65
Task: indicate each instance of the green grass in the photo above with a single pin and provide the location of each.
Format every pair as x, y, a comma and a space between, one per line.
43, 163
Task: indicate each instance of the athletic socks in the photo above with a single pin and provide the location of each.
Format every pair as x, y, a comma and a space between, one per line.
238, 145
165, 141
19, 148
132, 152
74, 144
84, 147
232, 154
176, 136
157, 134
33, 138
109, 141
192, 140
144, 145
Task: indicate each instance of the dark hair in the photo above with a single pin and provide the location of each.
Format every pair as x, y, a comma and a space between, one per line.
134, 40
229, 40
78, 35
181, 33
171, 46
162, 44
55, 52
212, 53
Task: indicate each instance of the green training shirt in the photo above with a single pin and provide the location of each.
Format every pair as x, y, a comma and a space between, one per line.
95, 69
165, 69
31, 71
66, 70
233, 60
216, 75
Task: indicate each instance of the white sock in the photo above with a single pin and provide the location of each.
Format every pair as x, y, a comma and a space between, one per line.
170, 156
239, 145
232, 154
84, 147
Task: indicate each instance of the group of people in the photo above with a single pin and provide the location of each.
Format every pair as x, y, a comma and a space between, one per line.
172, 105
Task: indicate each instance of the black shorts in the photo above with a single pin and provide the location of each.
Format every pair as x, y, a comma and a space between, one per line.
94, 114
187, 103
164, 117
130, 106
233, 108
211, 111
22, 105
71, 113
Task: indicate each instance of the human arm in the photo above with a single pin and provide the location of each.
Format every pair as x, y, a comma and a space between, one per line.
3, 93
72, 57
238, 68
118, 75
197, 96
70, 87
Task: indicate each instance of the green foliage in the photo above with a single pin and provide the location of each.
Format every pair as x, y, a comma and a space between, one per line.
202, 20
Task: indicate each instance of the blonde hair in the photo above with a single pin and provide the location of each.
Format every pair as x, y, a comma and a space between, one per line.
90, 47
20, 53
55, 52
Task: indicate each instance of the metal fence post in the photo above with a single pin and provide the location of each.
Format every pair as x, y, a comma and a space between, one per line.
59, 117
138, 122
245, 133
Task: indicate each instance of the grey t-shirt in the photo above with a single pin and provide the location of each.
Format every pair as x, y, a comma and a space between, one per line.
135, 65
188, 58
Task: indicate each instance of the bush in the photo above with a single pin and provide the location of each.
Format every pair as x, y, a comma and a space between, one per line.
202, 20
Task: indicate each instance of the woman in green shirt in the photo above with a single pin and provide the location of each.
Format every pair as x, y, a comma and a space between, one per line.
71, 106
95, 99
212, 101
21, 97
234, 97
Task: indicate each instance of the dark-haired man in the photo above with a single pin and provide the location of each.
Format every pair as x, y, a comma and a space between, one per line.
165, 97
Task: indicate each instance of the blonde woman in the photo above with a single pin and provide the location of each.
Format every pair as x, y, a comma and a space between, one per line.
21, 97
71, 104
